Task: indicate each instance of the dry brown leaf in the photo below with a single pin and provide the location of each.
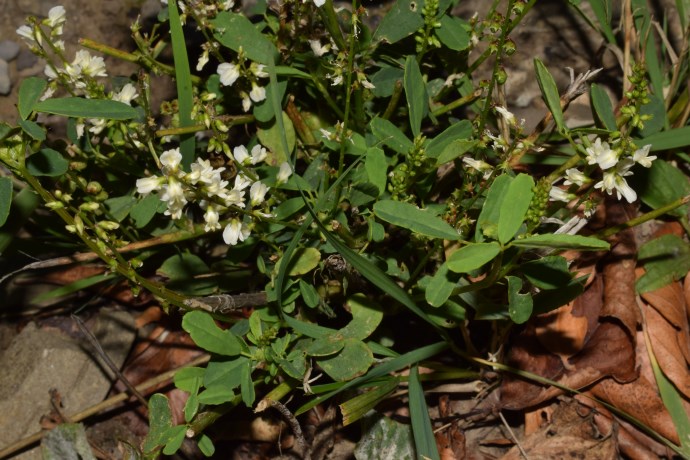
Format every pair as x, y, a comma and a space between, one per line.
639, 400
669, 301
628, 444
569, 436
668, 351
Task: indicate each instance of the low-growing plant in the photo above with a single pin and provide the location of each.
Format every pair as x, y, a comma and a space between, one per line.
332, 201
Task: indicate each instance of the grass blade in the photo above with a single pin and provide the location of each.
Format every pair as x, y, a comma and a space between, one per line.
422, 430
183, 80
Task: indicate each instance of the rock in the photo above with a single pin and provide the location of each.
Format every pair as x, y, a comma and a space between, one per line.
5, 83
41, 359
8, 50
26, 59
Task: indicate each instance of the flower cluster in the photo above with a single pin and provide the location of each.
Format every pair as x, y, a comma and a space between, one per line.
614, 166
205, 185
230, 72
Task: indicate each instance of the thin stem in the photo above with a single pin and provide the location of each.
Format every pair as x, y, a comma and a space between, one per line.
651, 215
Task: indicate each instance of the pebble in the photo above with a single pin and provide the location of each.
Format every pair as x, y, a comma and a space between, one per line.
5, 84
8, 50
26, 59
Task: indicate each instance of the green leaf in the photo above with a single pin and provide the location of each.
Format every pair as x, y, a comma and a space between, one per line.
488, 218
78, 107
417, 220
206, 445
5, 130
325, 346
440, 287
66, 441
514, 210
119, 206
352, 361
246, 384
602, 11
73, 287
415, 92
656, 109
160, 421
519, 305
667, 140
47, 162
602, 107
549, 91
385, 368
390, 135
452, 33
377, 167
662, 184
5, 199
302, 261
459, 131
144, 210
30, 92
209, 336
581, 243
271, 138
235, 31
384, 81
357, 407
454, 150
401, 21
309, 293
175, 437
23, 206
550, 272
185, 379
422, 431
384, 438
366, 317
33, 129
666, 259
287, 208
183, 83
191, 407
472, 256
181, 267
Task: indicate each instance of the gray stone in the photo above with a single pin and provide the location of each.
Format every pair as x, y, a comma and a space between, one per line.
26, 60
41, 359
5, 83
8, 50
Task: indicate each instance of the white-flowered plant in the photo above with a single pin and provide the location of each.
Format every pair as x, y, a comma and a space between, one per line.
204, 184
231, 72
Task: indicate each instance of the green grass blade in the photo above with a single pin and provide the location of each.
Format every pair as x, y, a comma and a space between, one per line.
183, 79
602, 10
386, 368
422, 430
74, 287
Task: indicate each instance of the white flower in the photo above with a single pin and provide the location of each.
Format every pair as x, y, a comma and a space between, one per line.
216, 186
80, 130
211, 217
170, 160
573, 176
367, 84
241, 154
319, 3
335, 79
93, 66
48, 93
558, 194
246, 102
641, 156
173, 195
147, 185
203, 60
97, 125
235, 198
27, 33
284, 172
318, 49
225, 5
614, 179
258, 154
56, 18
507, 116
59, 44
126, 94
229, 73
258, 93
241, 182
235, 231
257, 193
478, 165
50, 72
258, 70
201, 170
602, 154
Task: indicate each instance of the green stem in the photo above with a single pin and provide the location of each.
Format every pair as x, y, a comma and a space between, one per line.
330, 20
644, 218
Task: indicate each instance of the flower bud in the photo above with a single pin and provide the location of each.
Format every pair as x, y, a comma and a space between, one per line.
93, 187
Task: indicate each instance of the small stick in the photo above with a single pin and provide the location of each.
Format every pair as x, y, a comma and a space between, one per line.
226, 303
109, 362
294, 424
